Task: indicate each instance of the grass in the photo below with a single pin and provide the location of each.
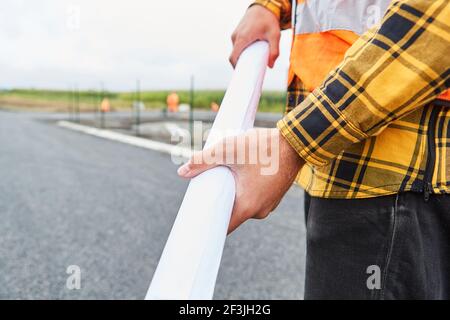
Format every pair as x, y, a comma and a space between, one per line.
59, 100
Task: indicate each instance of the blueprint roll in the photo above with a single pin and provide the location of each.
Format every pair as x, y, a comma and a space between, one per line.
190, 260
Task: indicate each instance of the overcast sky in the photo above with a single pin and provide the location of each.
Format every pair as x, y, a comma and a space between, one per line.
58, 43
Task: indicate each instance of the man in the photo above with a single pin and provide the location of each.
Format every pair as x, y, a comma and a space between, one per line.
368, 125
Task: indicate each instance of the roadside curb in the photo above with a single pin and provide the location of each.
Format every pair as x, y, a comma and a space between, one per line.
172, 150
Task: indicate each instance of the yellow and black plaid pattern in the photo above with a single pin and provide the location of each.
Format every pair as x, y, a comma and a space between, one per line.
374, 127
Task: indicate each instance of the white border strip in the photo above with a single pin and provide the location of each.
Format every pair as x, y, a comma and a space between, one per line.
173, 150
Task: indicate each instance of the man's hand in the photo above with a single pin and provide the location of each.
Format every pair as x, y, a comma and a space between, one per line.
264, 166
258, 23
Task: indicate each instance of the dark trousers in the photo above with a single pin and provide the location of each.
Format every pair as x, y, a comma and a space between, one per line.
390, 247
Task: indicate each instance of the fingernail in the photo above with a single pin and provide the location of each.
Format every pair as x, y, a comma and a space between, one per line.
183, 169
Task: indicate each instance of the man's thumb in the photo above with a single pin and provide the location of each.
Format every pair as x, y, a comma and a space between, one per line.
274, 51
194, 167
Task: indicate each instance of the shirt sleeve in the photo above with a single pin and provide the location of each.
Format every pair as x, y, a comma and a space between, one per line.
280, 8
393, 69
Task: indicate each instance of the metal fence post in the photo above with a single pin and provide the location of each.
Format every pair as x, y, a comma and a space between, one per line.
77, 104
191, 112
102, 112
137, 107
70, 105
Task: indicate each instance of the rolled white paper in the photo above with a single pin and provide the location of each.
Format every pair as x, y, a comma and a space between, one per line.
190, 261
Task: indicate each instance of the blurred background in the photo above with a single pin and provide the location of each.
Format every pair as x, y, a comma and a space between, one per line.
141, 68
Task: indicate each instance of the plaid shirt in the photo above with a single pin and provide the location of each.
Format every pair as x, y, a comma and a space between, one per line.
374, 127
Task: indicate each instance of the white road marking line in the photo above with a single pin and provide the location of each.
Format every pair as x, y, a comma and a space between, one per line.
170, 149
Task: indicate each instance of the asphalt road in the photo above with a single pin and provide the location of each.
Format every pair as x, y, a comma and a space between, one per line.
71, 199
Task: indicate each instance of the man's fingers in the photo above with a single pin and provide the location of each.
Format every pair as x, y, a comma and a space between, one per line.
274, 43
235, 221
204, 160
190, 169
233, 37
237, 50
241, 212
238, 47
195, 166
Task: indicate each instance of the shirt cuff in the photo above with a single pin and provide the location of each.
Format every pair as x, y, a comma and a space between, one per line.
280, 8
273, 6
318, 131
